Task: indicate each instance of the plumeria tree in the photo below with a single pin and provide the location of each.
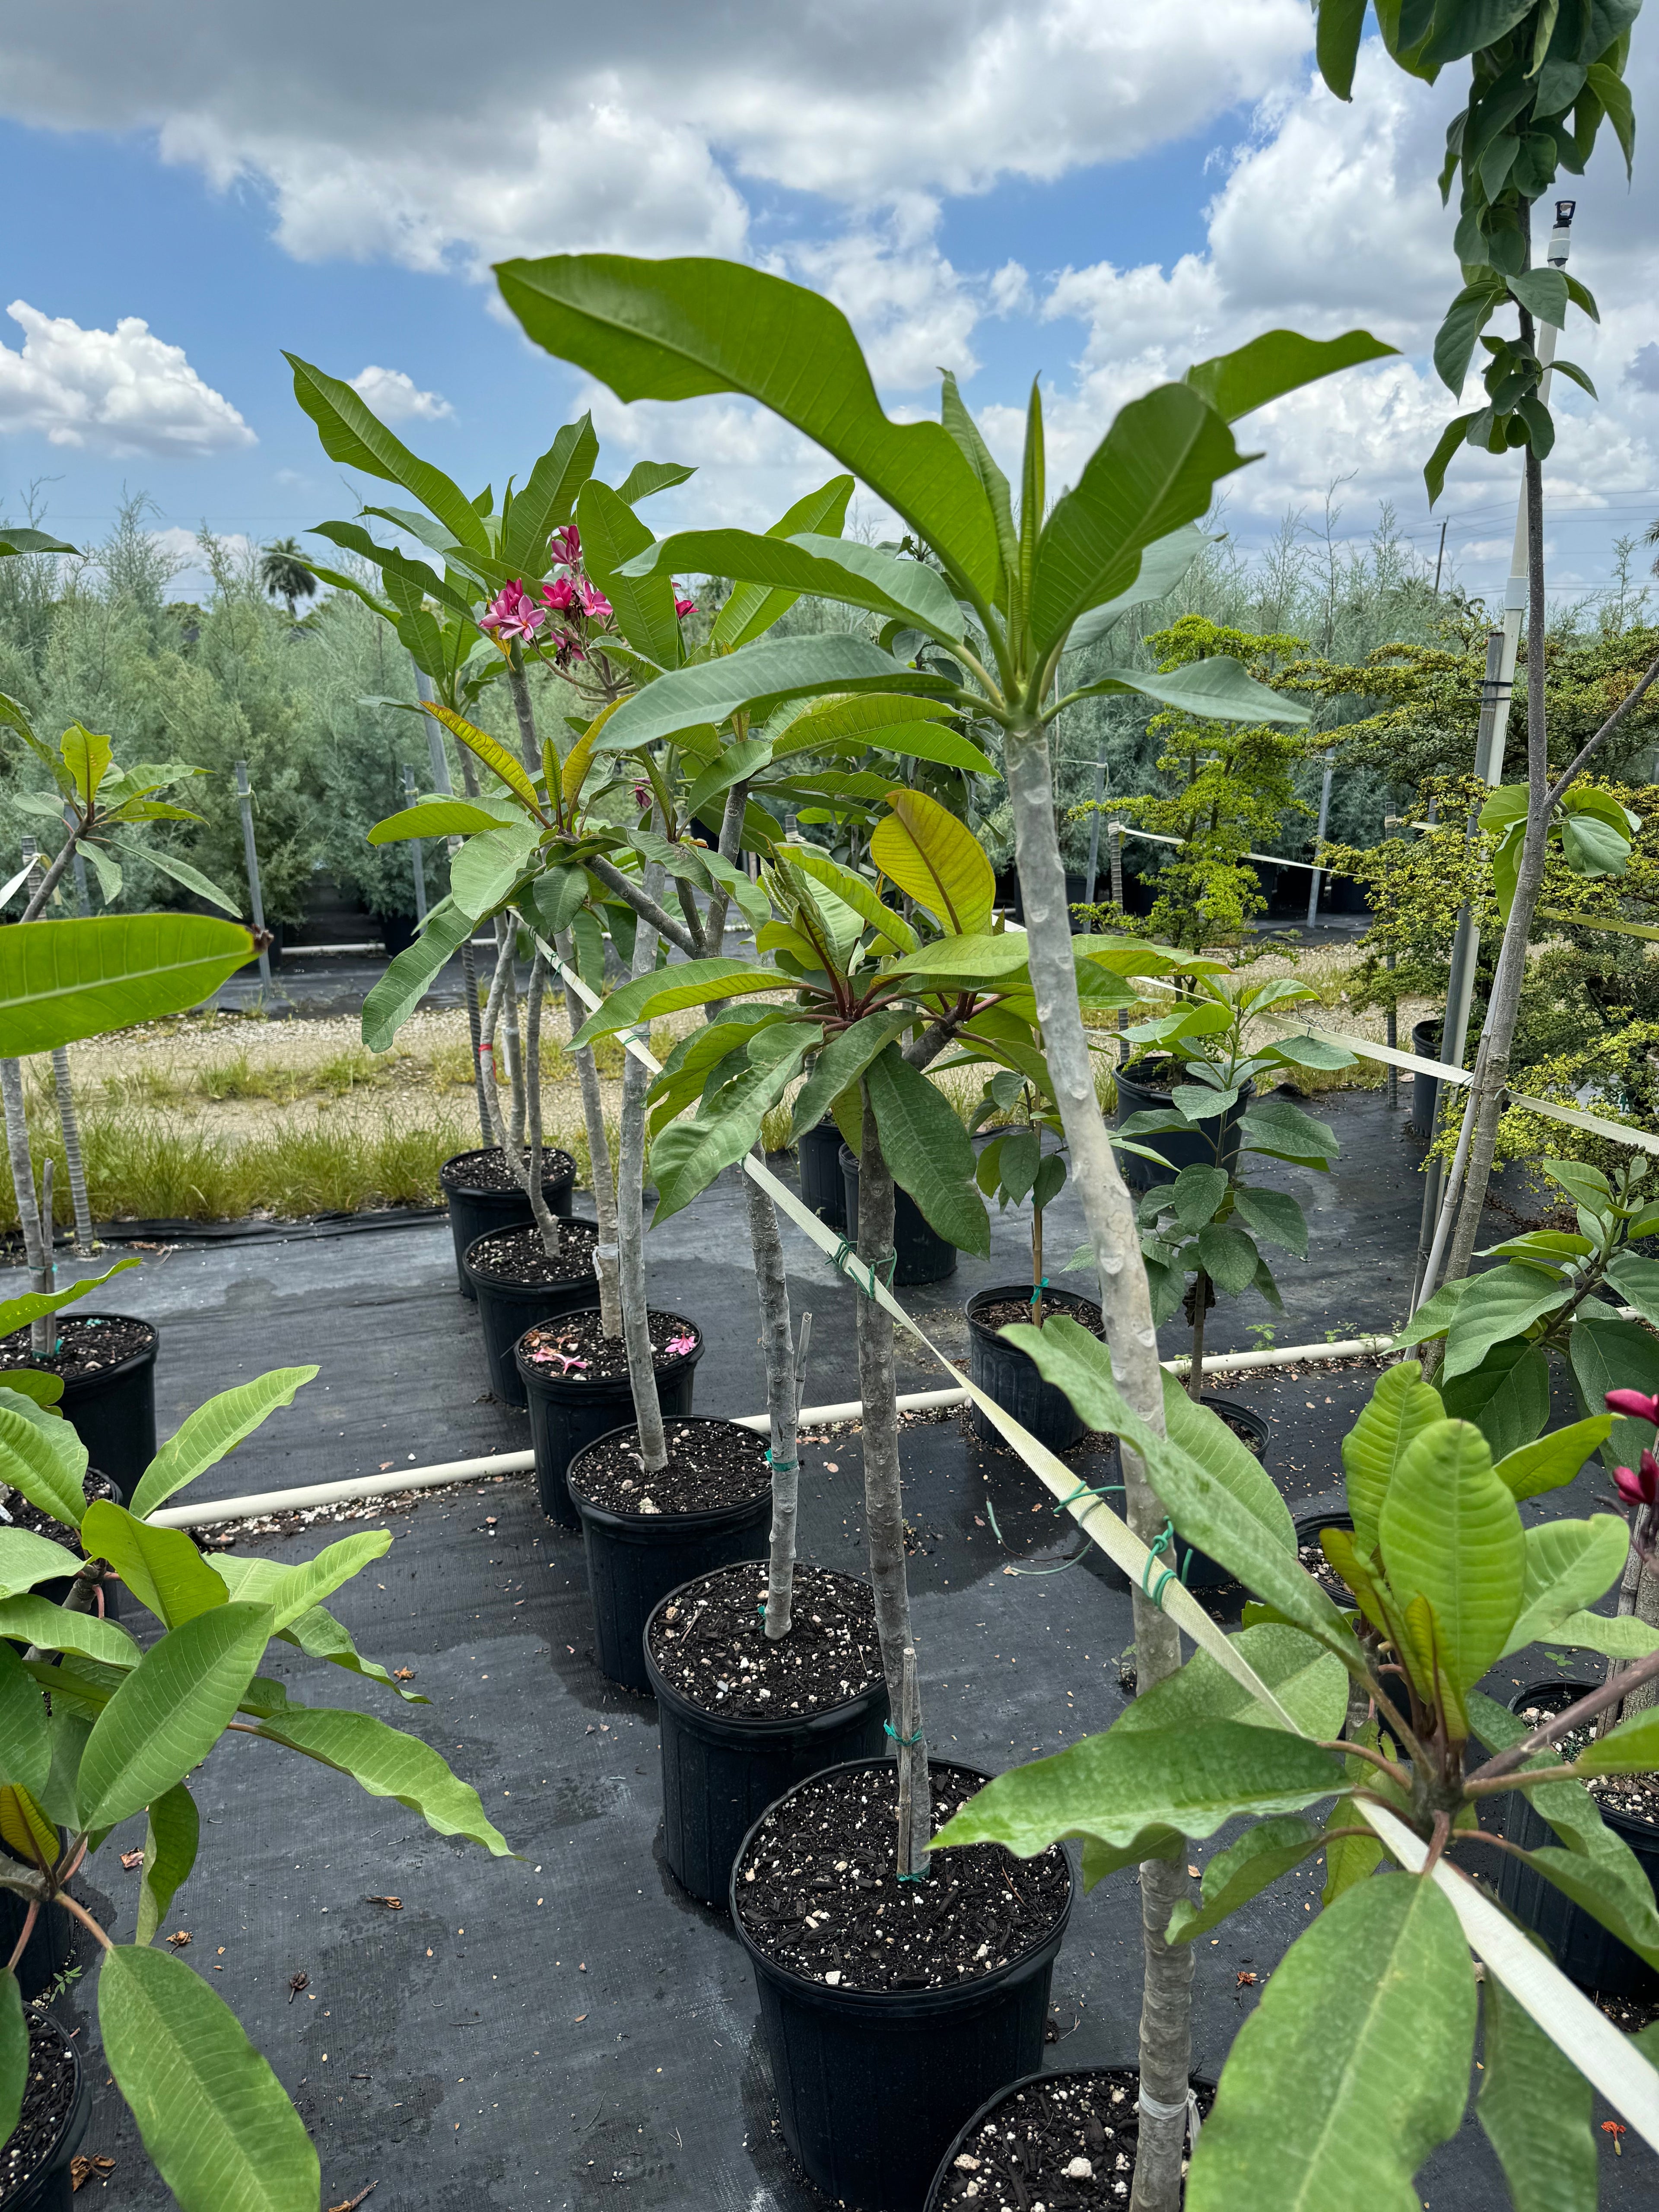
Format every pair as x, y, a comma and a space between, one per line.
982, 623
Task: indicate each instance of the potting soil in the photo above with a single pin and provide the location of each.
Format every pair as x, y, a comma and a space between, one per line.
710, 1464
1635, 1796
576, 1349
517, 1255
711, 1645
81, 1348
568, 2031
489, 1171
820, 1891
48, 2095
1068, 2143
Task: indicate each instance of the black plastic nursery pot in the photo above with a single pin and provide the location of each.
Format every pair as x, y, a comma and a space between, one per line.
923, 1256
1144, 1087
821, 1190
1584, 1950
97, 1485
1010, 1377
567, 1414
1425, 1043
871, 2084
35, 2164
721, 1771
47, 1951
507, 1309
952, 2181
1196, 1569
475, 1209
113, 1411
634, 1559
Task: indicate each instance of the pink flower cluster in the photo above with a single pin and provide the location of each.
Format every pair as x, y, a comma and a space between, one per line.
514, 617
566, 1360
678, 1346
1639, 1485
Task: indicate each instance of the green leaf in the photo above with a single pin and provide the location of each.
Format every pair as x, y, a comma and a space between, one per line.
856, 892
18, 1313
64, 980
1308, 1052
25, 1737
387, 1764
1242, 1871
1554, 1459
170, 1711
1503, 1303
1454, 342
1308, 1682
835, 569
1219, 687
213, 2115
1569, 1563
679, 328
548, 497
15, 539
1433, 1318
1275, 1215
1163, 565
843, 1061
1535, 2106
350, 434
86, 757
433, 817
320, 1636
393, 998
1434, 469
613, 540
41, 1456
1113, 1786
1617, 1635
170, 1844
1354, 2066
751, 608
484, 872
14, 2043
162, 1567
646, 478
928, 1150
1202, 1433
1450, 1534
1632, 1747
35, 1384
936, 859
1401, 1408
754, 681
1284, 1132
1194, 1195
292, 1591
37, 1620
1613, 1355
213, 1431
1156, 469
1278, 362
181, 871
688, 1155
27, 1560
1637, 1281
687, 983
494, 756
1227, 1256
1507, 1396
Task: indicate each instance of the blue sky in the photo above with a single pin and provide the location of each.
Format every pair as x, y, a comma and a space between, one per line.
1051, 201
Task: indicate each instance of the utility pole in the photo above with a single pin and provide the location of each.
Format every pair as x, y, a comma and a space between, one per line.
256, 903
1440, 556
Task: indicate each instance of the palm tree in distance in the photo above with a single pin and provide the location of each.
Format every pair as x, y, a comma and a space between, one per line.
283, 573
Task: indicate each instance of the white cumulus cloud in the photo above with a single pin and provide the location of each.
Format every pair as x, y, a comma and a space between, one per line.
123, 392
396, 398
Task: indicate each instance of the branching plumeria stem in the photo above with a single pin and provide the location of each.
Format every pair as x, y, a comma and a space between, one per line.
1437, 1841
1346, 1748
646, 908
81, 1913
1473, 1789
21, 1944
1644, 1670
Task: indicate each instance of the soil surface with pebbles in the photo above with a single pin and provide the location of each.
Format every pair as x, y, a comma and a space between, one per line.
711, 1646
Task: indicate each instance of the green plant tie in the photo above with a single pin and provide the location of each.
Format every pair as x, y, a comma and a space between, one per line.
847, 1261
887, 1728
1084, 1491
1160, 1544
922, 1876
782, 1466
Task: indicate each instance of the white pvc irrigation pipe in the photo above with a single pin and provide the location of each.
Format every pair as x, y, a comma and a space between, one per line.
259, 1504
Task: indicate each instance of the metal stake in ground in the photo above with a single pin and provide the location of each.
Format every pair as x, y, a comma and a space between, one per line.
416, 846
1319, 836
256, 903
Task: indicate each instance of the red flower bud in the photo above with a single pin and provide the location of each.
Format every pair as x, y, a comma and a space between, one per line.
1634, 1405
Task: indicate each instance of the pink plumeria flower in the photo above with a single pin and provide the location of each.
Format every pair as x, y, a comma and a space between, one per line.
642, 794
678, 1346
1639, 1486
595, 605
512, 614
683, 607
566, 545
561, 595
1634, 1405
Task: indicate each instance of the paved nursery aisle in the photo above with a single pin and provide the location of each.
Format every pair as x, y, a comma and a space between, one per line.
571, 2031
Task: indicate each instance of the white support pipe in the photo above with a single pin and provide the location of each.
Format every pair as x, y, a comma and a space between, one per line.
262, 1502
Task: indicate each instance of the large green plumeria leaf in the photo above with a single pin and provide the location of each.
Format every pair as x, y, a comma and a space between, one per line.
1632, 1747
213, 2115
163, 1567
843, 1061
752, 609
291, 1592
352, 435
1354, 2066
170, 1845
63, 980
1278, 362
434, 817
18, 1313
1206, 1437
687, 983
33, 1383
1308, 1682
393, 998
1617, 1636
27, 1560
1569, 1563
41, 1456
754, 682
170, 1711
320, 1636
36, 1620
1450, 1534
25, 1735
386, 1764
856, 721
928, 1150
214, 1431
1503, 1303
688, 1155
484, 871
1507, 1396
1116, 1785
680, 329
856, 892
548, 497
835, 569
1399, 1409
14, 2054
614, 541
1163, 565
1535, 2106
1219, 688
1242, 1871
1605, 1355
928, 853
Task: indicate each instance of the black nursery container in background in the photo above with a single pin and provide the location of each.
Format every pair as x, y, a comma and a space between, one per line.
482, 1197
1426, 1037
568, 1415
111, 1408
821, 1190
36, 2161
1010, 1375
507, 1309
1143, 1088
923, 1256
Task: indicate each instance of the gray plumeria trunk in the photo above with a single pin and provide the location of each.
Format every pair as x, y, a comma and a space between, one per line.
1132, 1340
630, 1222
37, 1252
601, 1167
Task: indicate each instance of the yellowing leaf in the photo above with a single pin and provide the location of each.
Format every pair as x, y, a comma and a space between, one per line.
923, 848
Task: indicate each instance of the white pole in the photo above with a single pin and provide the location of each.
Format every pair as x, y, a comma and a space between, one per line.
1319, 836
256, 903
